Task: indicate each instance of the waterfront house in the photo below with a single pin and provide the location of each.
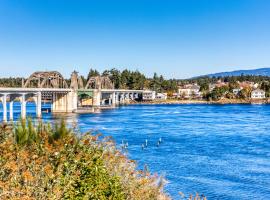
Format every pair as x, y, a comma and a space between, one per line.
236, 91
218, 84
161, 96
175, 95
211, 87
189, 91
257, 94
148, 95
247, 84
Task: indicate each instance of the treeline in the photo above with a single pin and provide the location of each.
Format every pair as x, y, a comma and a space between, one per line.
229, 79
11, 82
128, 79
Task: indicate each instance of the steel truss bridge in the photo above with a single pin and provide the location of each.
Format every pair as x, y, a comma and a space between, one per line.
52, 86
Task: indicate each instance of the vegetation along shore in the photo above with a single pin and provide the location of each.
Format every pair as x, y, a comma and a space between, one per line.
53, 162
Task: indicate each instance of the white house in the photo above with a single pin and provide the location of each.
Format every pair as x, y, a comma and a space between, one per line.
236, 91
258, 94
161, 96
189, 91
148, 95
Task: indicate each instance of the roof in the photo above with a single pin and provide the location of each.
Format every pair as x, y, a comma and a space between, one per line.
258, 90
193, 87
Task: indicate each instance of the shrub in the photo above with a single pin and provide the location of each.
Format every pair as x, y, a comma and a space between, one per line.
50, 162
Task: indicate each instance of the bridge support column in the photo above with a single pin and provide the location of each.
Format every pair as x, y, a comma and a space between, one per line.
11, 110
96, 98
23, 107
113, 99
4, 103
62, 102
117, 98
121, 98
58, 104
38, 105
126, 97
110, 100
72, 101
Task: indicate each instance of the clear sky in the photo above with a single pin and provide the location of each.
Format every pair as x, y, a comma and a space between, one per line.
180, 39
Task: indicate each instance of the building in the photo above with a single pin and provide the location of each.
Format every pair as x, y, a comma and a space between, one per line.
212, 87
218, 84
175, 95
161, 96
258, 94
148, 95
189, 91
236, 91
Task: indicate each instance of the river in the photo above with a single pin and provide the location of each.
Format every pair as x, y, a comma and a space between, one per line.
221, 151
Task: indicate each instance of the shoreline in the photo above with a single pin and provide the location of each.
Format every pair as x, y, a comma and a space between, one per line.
182, 102
221, 102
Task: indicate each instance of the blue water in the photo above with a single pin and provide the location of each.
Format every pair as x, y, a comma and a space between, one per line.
221, 151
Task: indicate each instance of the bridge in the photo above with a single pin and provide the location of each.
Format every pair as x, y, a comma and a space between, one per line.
52, 87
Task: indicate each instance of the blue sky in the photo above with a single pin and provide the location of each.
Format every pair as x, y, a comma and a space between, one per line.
179, 39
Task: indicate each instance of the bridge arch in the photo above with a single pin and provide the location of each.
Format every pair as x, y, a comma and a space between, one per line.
99, 82
47, 79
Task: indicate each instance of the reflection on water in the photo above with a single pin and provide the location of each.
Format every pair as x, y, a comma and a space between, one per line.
222, 151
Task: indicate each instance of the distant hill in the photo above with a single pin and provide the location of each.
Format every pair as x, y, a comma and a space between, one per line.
255, 72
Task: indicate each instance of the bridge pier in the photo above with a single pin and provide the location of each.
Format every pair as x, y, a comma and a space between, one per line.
63, 102
11, 110
121, 101
117, 99
126, 97
96, 98
23, 107
38, 105
4, 103
113, 99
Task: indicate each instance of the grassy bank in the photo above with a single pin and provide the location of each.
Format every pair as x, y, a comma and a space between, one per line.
53, 162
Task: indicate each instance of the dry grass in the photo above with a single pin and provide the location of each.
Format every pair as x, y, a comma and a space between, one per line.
44, 162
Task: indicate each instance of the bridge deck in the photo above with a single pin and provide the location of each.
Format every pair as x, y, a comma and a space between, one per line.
62, 90
22, 90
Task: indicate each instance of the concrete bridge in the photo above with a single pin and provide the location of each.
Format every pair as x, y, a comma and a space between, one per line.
51, 86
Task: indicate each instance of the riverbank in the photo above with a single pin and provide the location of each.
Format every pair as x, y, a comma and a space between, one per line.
222, 101
177, 102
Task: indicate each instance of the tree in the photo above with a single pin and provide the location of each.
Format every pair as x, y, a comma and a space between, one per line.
155, 83
92, 72
265, 85
218, 92
204, 86
245, 93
